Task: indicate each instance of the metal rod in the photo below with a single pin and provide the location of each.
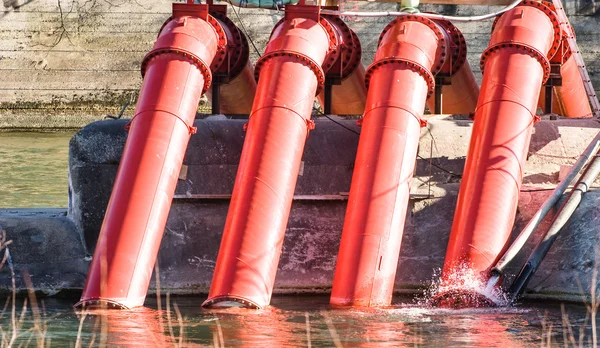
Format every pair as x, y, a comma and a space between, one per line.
215, 102
328, 91
562, 217
497, 271
548, 99
438, 97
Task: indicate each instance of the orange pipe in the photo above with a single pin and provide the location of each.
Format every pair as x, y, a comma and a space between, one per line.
176, 73
571, 97
348, 98
290, 76
237, 94
514, 67
460, 96
411, 50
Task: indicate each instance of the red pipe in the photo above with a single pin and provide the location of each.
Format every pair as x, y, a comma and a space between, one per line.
290, 76
514, 67
460, 96
411, 50
176, 73
236, 93
349, 96
571, 97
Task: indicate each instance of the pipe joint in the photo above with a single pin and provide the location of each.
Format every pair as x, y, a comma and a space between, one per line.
521, 48
190, 37
407, 64
434, 44
415, 42
301, 58
304, 40
236, 49
525, 24
343, 61
458, 48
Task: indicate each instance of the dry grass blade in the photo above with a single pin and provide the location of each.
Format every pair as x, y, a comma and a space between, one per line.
181, 326
568, 335
220, 333
307, 316
169, 320
79, 329
332, 331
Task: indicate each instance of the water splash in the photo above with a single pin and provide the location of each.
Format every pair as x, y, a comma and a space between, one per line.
462, 288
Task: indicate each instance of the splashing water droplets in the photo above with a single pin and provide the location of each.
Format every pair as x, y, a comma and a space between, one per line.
462, 288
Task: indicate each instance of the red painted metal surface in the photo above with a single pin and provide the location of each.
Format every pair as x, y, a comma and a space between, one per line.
411, 50
514, 67
460, 96
176, 73
348, 97
236, 91
571, 97
290, 75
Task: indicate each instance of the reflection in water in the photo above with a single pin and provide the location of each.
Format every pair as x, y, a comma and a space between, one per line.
33, 169
298, 322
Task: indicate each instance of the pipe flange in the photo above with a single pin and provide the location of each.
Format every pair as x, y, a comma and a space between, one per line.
441, 55
553, 18
221, 43
414, 66
333, 53
564, 53
238, 50
202, 65
354, 57
350, 48
459, 52
530, 50
301, 58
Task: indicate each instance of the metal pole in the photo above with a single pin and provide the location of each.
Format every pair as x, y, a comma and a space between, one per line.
499, 267
562, 217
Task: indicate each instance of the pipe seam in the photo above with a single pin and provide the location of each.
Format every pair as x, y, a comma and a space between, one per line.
310, 124
405, 107
191, 129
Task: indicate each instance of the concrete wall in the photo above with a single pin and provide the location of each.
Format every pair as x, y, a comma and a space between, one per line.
54, 247
64, 63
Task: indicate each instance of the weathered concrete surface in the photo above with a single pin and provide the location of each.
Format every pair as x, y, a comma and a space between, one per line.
193, 232
67, 68
45, 247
